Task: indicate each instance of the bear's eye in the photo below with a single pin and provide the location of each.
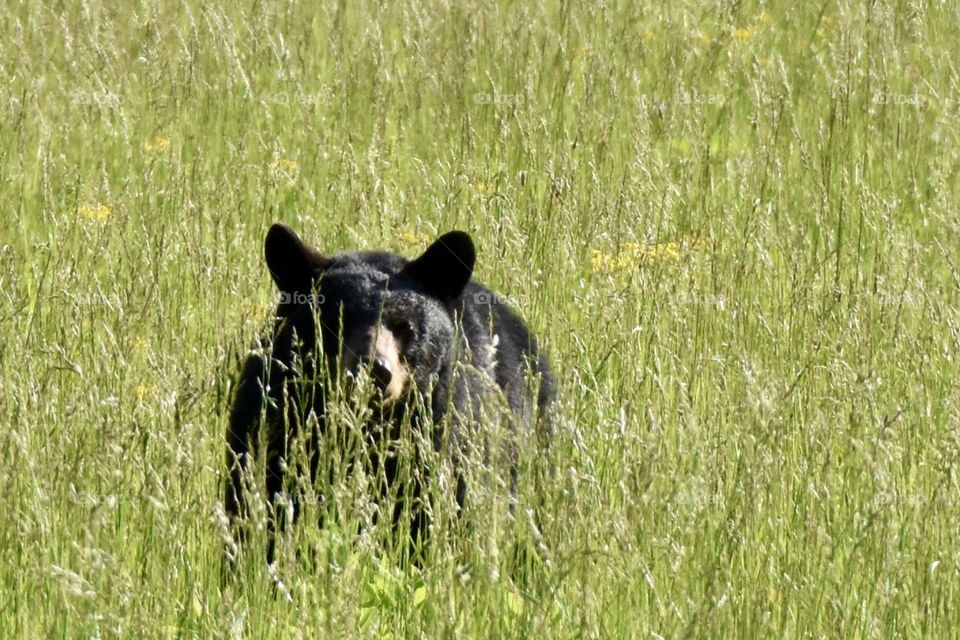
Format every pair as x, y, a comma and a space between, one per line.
401, 328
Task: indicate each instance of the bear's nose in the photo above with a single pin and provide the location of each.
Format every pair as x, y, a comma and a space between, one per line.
381, 372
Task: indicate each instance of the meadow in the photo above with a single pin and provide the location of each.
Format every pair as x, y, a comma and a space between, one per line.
734, 226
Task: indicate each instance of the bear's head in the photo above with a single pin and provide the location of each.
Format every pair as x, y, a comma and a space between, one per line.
378, 315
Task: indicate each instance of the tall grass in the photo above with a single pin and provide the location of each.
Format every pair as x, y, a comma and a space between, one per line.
734, 226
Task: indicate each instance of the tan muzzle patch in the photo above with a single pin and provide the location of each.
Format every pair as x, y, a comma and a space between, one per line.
388, 367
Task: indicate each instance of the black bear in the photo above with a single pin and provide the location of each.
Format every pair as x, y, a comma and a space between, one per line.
431, 346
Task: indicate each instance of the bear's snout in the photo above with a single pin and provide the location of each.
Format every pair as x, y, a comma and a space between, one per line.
386, 366
382, 373
377, 353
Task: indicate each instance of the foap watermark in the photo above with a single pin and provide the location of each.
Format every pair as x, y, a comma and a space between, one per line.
293, 98
682, 98
898, 99
90, 298
704, 299
96, 98
90, 499
491, 299
499, 99
695, 97
297, 297
687, 99
894, 299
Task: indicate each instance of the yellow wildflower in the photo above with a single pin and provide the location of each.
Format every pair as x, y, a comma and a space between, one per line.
139, 345
98, 213
742, 34
650, 35
599, 260
624, 261
694, 244
485, 187
288, 167
412, 238
158, 143
632, 255
763, 17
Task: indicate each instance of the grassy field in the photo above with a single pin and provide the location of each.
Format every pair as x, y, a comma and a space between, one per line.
735, 227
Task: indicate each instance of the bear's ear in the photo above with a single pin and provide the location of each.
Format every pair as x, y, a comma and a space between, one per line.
292, 263
446, 266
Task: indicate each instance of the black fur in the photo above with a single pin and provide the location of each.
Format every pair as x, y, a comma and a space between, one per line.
443, 320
